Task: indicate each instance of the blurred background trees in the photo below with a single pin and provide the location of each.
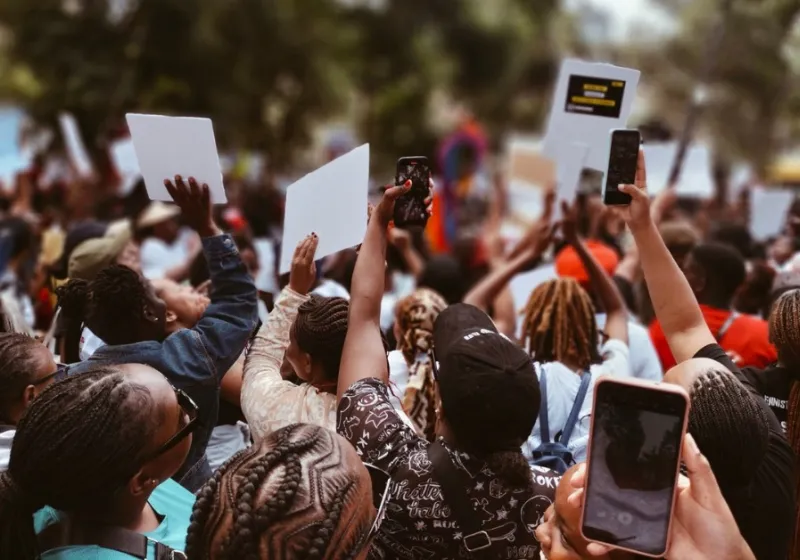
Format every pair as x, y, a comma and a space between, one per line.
270, 71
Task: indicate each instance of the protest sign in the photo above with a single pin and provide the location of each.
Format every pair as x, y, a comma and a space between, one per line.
123, 154
331, 202
169, 146
768, 210
76, 149
590, 99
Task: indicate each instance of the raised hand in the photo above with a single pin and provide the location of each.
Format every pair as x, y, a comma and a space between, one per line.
194, 201
303, 273
569, 222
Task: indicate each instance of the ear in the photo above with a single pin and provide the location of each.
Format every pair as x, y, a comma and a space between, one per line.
28, 395
307, 363
141, 484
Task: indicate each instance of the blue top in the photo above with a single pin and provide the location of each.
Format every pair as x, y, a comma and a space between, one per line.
196, 359
169, 500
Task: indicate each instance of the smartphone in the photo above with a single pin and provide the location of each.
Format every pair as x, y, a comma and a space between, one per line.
623, 158
410, 209
633, 464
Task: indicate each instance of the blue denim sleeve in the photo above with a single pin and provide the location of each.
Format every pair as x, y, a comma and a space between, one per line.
207, 351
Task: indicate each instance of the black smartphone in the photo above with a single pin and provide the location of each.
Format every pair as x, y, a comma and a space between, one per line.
410, 209
623, 158
633, 464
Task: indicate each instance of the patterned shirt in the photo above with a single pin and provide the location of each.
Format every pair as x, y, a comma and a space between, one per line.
268, 401
418, 523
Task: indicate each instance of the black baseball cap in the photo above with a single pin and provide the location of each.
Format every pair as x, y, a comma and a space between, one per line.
487, 383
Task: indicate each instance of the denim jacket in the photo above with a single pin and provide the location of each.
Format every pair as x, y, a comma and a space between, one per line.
196, 359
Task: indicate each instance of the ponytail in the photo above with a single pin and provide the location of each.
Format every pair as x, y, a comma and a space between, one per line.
73, 299
17, 535
511, 467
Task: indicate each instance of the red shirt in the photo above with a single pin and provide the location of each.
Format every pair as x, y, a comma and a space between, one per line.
746, 341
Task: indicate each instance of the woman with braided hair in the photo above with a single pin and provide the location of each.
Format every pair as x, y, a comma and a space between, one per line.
411, 365
302, 493
91, 461
307, 331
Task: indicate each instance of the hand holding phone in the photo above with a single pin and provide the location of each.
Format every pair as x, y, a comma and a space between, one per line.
410, 209
633, 464
622, 163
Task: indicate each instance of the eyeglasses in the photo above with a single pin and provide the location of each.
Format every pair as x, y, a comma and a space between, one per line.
62, 370
381, 492
190, 409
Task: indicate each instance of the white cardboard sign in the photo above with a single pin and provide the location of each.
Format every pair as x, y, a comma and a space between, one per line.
76, 149
123, 154
696, 180
569, 170
169, 146
590, 99
331, 202
768, 210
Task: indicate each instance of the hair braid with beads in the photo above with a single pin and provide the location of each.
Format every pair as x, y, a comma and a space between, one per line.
784, 333
111, 421
320, 329
559, 324
294, 492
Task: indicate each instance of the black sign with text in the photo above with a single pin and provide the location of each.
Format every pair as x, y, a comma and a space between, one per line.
595, 96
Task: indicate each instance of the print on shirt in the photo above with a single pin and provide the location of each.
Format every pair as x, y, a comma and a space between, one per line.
419, 524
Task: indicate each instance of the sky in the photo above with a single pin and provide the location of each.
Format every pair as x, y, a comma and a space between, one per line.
624, 13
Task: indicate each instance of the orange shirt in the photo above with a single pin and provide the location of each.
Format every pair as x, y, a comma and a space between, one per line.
746, 340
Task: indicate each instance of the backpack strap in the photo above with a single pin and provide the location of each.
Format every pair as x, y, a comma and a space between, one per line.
476, 540
726, 325
544, 424
68, 533
576, 408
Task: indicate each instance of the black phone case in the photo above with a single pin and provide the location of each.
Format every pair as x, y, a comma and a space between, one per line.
622, 161
410, 209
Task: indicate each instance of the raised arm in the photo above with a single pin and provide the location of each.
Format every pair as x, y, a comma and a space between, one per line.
673, 300
363, 355
613, 304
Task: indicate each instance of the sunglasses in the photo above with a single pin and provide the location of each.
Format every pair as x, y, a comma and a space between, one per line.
189, 408
62, 370
381, 492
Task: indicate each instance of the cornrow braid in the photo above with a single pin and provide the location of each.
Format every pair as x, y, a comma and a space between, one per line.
560, 326
320, 329
784, 333
79, 441
18, 362
297, 491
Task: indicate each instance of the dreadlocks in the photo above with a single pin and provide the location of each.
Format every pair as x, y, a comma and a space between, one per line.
559, 324
320, 329
784, 333
79, 441
112, 305
300, 494
19, 358
416, 315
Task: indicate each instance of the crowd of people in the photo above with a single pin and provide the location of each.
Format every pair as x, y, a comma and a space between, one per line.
164, 393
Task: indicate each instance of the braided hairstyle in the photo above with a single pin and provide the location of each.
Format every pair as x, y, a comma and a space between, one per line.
320, 329
19, 360
416, 315
784, 333
299, 494
79, 441
559, 324
112, 305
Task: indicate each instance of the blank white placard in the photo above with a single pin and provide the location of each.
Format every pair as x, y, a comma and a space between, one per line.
123, 154
768, 210
169, 146
76, 149
569, 169
696, 179
331, 202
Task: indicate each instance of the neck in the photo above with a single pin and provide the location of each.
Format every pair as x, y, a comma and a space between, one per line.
134, 514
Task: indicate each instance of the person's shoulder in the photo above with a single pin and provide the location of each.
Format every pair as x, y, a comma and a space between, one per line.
171, 497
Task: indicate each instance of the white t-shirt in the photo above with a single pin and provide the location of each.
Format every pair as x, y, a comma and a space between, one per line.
158, 257
562, 388
330, 288
644, 360
6, 439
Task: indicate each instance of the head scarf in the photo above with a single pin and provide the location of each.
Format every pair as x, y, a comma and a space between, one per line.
415, 317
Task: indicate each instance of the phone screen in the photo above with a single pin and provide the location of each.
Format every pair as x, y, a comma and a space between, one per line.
622, 161
633, 462
410, 208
